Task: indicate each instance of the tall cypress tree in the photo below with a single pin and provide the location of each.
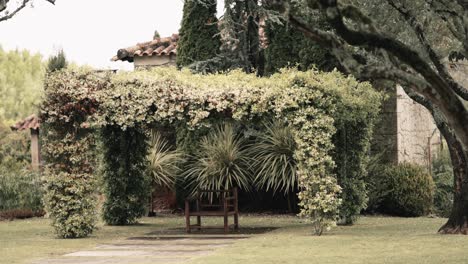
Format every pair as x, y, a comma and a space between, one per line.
199, 38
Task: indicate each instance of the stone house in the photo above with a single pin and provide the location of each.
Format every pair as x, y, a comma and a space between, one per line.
155, 53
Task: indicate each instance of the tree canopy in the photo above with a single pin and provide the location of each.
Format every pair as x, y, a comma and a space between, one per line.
21, 82
413, 43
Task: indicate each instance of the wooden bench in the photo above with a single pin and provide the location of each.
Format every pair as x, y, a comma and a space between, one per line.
226, 207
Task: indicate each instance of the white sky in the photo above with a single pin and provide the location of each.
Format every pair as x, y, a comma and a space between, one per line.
91, 31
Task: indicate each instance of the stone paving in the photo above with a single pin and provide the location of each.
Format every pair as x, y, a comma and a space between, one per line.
152, 248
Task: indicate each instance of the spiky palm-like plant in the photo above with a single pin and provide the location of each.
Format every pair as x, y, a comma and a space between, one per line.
221, 162
273, 156
163, 162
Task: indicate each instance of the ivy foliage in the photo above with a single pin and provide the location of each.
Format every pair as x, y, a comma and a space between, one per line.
199, 35
127, 185
305, 101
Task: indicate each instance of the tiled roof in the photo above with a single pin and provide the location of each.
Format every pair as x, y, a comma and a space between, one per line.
30, 122
156, 47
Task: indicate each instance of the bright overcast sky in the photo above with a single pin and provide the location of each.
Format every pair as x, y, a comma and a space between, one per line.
91, 31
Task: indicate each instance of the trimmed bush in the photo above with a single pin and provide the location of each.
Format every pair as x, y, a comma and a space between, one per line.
402, 190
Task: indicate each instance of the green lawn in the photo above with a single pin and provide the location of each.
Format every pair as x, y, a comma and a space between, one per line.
372, 240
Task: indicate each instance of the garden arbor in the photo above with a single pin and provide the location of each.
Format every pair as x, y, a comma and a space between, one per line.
82, 106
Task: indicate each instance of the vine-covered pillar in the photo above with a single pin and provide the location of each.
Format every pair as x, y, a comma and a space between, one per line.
68, 151
125, 176
319, 191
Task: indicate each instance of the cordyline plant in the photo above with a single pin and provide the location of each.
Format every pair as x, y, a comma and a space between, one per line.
414, 43
221, 162
273, 158
163, 162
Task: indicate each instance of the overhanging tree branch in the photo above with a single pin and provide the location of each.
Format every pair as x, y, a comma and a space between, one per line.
18, 9
410, 18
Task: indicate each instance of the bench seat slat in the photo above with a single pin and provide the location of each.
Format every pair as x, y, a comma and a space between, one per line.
210, 213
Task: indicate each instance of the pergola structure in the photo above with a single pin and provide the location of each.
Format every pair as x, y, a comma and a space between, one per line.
31, 123
120, 107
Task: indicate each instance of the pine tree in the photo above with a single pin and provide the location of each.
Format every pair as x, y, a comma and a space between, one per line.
288, 47
199, 38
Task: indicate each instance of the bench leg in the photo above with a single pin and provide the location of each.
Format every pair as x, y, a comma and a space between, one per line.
226, 226
187, 217
236, 221
199, 222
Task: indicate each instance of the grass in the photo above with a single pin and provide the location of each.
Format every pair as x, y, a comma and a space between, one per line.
371, 240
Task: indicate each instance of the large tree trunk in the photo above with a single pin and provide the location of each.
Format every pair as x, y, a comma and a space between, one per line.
458, 220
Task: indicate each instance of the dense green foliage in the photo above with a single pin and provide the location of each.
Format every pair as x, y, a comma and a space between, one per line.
21, 76
239, 31
442, 173
403, 190
355, 125
221, 162
288, 47
127, 185
199, 35
20, 189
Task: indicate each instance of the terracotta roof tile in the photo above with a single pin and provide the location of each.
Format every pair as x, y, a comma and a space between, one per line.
30, 122
156, 47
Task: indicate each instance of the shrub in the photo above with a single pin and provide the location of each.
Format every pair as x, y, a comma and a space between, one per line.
273, 158
403, 190
442, 174
20, 191
70, 200
221, 162
320, 203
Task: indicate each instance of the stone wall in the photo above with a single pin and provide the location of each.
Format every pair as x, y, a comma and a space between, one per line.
406, 132
417, 136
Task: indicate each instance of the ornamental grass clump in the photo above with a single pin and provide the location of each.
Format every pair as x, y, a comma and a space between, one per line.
221, 162
273, 158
